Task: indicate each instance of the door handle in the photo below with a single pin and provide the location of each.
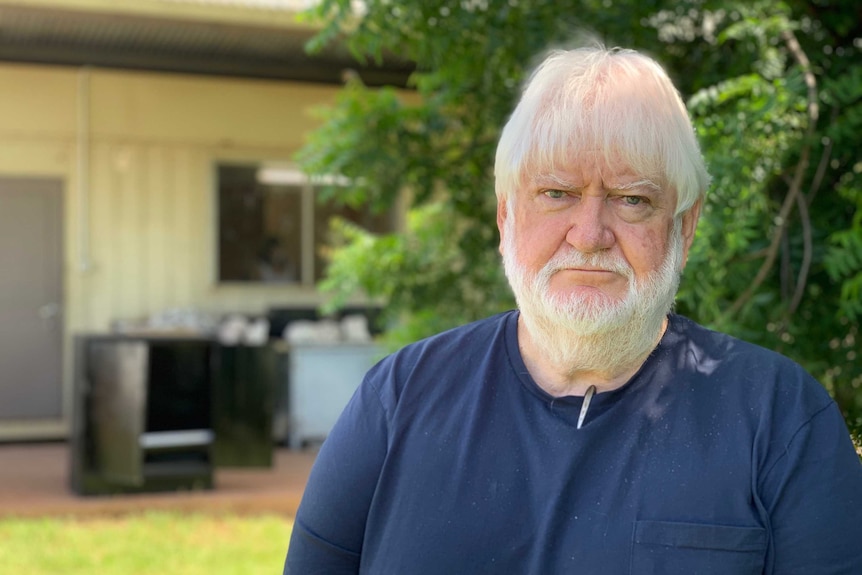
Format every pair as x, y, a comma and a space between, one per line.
49, 311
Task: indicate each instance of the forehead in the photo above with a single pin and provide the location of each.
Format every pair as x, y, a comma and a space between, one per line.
588, 167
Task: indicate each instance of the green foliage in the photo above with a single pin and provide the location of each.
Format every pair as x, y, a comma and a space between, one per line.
423, 269
843, 259
775, 91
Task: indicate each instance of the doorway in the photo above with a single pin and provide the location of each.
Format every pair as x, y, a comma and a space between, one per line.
31, 300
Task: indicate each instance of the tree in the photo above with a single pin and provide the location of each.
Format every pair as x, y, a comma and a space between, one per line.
775, 90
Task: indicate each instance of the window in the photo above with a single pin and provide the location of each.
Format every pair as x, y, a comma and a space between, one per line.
271, 227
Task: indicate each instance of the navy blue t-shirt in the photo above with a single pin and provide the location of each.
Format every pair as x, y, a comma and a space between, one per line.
717, 457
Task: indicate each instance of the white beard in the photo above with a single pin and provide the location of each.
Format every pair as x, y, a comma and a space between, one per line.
591, 332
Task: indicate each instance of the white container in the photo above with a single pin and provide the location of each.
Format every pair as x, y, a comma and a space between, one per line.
321, 380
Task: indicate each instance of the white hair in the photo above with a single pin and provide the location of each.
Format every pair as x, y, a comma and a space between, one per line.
615, 101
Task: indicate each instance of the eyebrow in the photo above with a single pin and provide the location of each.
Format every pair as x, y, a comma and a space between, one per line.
555, 180
638, 184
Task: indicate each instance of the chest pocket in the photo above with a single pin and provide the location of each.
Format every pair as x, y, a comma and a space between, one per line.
670, 548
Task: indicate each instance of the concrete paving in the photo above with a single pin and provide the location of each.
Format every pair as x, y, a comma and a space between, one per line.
34, 482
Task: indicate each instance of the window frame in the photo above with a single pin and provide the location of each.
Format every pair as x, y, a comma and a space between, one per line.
280, 173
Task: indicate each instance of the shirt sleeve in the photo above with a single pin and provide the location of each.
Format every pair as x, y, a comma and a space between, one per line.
330, 523
813, 498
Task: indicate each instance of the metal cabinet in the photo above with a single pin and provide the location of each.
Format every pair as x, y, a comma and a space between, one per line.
321, 378
244, 380
157, 414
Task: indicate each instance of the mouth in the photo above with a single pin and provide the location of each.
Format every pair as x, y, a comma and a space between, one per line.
587, 276
587, 270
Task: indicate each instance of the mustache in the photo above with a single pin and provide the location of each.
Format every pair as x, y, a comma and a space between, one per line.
563, 260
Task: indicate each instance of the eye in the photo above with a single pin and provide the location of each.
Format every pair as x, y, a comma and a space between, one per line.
555, 194
635, 200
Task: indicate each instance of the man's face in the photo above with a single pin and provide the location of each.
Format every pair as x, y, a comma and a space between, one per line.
593, 239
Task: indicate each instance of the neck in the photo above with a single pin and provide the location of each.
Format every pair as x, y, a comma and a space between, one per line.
560, 378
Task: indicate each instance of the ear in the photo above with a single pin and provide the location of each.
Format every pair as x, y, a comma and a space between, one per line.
502, 214
689, 225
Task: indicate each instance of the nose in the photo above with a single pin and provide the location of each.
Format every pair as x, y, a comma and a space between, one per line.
589, 231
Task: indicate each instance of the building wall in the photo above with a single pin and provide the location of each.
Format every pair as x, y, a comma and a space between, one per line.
136, 153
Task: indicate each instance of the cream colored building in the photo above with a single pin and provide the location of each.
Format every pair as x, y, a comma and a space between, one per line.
113, 125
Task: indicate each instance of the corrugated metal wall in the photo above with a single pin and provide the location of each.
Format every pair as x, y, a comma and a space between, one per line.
139, 210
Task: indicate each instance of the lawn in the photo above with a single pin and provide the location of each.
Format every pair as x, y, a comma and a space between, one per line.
144, 544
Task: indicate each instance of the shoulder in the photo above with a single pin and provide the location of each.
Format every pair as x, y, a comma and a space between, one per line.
761, 379
445, 358
452, 344
711, 351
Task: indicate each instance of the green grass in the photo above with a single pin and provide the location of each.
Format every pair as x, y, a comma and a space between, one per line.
145, 544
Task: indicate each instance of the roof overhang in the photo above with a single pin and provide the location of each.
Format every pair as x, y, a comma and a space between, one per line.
251, 38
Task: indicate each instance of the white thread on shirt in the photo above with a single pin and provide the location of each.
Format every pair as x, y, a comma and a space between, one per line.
591, 390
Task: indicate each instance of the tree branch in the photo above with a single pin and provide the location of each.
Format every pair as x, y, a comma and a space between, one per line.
802, 277
824, 163
787, 283
796, 184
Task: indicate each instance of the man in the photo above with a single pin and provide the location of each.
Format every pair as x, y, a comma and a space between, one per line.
591, 431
